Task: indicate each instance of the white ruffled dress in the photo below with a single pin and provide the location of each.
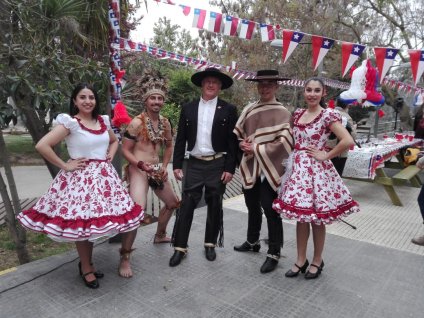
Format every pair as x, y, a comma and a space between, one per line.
312, 191
89, 203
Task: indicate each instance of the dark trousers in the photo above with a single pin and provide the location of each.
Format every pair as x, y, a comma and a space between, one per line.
339, 164
201, 174
421, 201
257, 198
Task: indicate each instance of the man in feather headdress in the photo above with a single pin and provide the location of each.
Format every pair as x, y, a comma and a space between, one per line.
263, 131
145, 136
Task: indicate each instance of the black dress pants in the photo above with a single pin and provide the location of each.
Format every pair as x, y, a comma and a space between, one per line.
201, 174
259, 198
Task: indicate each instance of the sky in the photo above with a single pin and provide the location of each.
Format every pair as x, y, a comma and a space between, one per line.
144, 31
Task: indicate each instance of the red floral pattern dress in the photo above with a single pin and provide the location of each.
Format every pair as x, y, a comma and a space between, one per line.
310, 190
88, 203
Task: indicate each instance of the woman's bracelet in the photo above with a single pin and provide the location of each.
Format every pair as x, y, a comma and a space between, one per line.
140, 165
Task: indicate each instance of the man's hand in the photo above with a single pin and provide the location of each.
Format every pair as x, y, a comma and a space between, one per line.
246, 146
164, 174
178, 174
144, 166
226, 177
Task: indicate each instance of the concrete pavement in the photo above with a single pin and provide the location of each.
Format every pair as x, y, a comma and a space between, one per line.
373, 271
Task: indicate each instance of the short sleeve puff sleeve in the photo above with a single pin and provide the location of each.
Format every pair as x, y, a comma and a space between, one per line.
106, 120
331, 116
67, 121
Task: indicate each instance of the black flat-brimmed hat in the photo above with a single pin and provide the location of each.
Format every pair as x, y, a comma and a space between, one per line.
267, 75
198, 77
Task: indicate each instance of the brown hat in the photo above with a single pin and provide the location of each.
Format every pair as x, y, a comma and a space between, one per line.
198, 77
267, 75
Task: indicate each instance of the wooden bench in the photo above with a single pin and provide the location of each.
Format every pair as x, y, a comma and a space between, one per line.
410, 174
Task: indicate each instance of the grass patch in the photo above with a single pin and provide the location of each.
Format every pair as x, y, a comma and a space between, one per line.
38, 245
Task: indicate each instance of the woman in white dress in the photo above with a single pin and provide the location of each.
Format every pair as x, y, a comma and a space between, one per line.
311, 190
86, 200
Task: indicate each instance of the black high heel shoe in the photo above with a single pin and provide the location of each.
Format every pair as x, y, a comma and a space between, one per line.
93, 284
98, 274
302, 270
310, 275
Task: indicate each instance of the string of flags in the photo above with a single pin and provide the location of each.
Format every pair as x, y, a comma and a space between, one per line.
245, 29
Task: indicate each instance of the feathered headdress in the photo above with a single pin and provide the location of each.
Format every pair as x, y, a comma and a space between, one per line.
151, 83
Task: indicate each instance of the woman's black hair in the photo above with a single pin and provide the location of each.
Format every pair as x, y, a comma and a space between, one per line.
73, 110
318, 79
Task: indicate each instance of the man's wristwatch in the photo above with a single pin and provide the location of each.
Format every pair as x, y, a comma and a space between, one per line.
140, 165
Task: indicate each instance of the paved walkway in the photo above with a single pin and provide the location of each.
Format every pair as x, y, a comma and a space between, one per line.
373, 271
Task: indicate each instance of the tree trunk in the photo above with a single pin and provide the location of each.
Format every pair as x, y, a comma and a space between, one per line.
17, 233
33, 124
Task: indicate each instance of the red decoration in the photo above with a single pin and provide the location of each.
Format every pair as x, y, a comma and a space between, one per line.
380, 113
119, 74
120, 115
331, 104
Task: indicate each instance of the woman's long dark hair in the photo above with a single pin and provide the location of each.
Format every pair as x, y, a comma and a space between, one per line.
73, 110
319, 80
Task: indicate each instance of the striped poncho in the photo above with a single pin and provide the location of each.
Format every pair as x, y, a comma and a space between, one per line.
267, 126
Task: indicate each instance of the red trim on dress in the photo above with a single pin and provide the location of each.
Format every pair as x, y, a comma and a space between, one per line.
296, 120
100, 131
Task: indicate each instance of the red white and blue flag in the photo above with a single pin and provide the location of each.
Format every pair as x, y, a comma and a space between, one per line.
186, 9
320, 47
165, 1
384, 58
350, 53
231, 24
267, 32
215, 22
199, 18
247, 29
290, 41
417, 64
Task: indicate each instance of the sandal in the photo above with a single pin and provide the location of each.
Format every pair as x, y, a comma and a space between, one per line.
125, 272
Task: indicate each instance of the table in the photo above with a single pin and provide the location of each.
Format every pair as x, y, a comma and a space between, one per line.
367, 163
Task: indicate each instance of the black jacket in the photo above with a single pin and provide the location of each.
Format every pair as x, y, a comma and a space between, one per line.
223, 138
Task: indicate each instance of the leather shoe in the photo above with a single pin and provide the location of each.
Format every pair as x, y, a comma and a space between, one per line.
98, 274
247, 247
176, 258
210, 253
93, 284
269, 265
319, 268
302, 269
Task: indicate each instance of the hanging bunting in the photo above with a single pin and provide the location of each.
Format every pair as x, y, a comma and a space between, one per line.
199, 18
320, 47
350, 53
267, 32
247, 29
215, 22
384, 58
417, 64
291, 39
231, 24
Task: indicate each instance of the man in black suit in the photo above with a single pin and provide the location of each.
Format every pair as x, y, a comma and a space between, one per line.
206, 126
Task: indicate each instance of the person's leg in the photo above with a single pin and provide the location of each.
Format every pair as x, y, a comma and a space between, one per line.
275, 224
419, 240
302, 236
138, 192
214, 191
170, 199
85, 250
192, 193
318, 234
252, 198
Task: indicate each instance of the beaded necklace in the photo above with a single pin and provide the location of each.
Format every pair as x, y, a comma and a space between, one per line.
148, 132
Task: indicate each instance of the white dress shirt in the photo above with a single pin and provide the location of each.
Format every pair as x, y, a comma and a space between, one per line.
206, 113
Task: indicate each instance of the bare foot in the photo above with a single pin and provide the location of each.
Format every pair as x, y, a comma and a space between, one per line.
125, 267
161, 238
